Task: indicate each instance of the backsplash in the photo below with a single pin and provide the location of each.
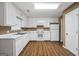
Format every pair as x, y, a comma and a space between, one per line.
4, 29
7, 29
34, 28
11, 31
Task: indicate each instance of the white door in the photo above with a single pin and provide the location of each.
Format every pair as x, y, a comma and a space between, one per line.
69, 44
54, 32
71, 31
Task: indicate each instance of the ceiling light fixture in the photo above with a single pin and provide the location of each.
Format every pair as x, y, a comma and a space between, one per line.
46, 5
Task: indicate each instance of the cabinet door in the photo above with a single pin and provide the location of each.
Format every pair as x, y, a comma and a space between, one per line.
34, 35
19, 45
71, 31
46, 35
26, 40
31, 34
10, 14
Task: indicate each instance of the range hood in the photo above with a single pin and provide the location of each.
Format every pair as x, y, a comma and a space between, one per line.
40, 26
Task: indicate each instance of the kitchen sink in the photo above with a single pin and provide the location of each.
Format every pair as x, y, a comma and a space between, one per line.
20, 33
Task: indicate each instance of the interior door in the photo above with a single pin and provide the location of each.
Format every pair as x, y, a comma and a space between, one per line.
71, 31
74, 32
68, 43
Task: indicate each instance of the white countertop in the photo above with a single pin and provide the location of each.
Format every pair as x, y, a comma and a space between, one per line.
9, 36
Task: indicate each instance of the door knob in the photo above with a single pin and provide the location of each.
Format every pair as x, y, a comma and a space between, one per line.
76, 32
66, 33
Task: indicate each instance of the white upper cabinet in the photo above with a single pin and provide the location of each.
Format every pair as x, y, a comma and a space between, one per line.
33, 22
11, 16
24, 21
8, 14
1, 13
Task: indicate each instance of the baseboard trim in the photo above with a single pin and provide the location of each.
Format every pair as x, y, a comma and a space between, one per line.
64, 46
68, 50
39, 40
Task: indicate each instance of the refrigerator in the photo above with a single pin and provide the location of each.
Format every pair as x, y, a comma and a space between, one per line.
54, 32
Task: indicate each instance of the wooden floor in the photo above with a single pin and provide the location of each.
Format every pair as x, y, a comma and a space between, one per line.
44, 48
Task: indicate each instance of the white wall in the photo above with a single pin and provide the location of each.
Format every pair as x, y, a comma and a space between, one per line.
33, 22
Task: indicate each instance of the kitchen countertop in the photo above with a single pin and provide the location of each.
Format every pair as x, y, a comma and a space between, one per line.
10, 36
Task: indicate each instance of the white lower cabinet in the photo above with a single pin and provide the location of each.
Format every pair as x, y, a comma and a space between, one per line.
33, 35
46, 35
20, 44
7, 47
13, 47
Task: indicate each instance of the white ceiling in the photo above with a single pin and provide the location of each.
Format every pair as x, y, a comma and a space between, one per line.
42, 13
